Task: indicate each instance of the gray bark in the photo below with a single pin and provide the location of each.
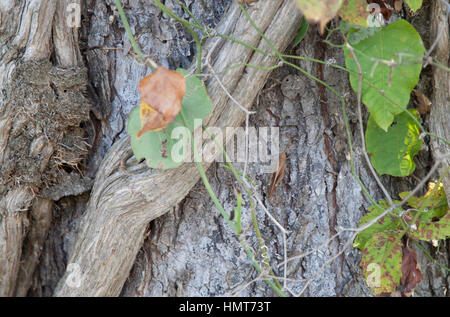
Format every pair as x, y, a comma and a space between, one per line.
440, 114
136, 223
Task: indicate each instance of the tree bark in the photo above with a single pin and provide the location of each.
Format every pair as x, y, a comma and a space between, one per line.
440, 114
35, 93
113, 229
119, 228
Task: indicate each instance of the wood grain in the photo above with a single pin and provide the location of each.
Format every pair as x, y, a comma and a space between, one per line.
124, 201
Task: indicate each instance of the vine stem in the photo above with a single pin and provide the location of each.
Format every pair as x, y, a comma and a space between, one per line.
224, 214
187, 25
135, 46
361, 128
425, 251
234, 227
241, 178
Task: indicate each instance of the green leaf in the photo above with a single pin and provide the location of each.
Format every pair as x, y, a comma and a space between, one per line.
387, 223
392, 152
428, 231
414, 4
196, 102
432, 205
390, 87
382, 262
354, 11
158, 147
301, 32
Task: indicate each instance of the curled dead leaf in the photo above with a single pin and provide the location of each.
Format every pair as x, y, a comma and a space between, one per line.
278, 175
424, 105
161, 99
411, 273
319, 11
398, 5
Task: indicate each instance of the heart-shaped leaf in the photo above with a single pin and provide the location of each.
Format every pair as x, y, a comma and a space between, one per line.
159, 148
391, 60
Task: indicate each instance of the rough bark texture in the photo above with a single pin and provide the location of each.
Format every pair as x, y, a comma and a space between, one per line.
124, 201
440, 111
179, 246
41, 142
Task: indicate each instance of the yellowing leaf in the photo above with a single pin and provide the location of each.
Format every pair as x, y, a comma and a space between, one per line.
354, 11
387, 223
382, 262
414, 4
432, 205
386, 90
432, 230
319, 11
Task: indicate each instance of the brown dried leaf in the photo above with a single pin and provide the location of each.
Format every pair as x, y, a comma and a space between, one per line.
424, 103
321, 11
411, 273
161, 99
278, 175
398, 5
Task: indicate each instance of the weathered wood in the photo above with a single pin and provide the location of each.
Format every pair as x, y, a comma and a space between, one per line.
31, 33
26, 77
124, 201
440, 107
13, 207
40, 222
190, 251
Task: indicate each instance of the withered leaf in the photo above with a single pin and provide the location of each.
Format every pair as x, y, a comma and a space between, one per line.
321, 11
411, 273
161, 99
278, 175
398, 5
424, 105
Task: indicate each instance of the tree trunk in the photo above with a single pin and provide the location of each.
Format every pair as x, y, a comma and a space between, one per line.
79, 215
